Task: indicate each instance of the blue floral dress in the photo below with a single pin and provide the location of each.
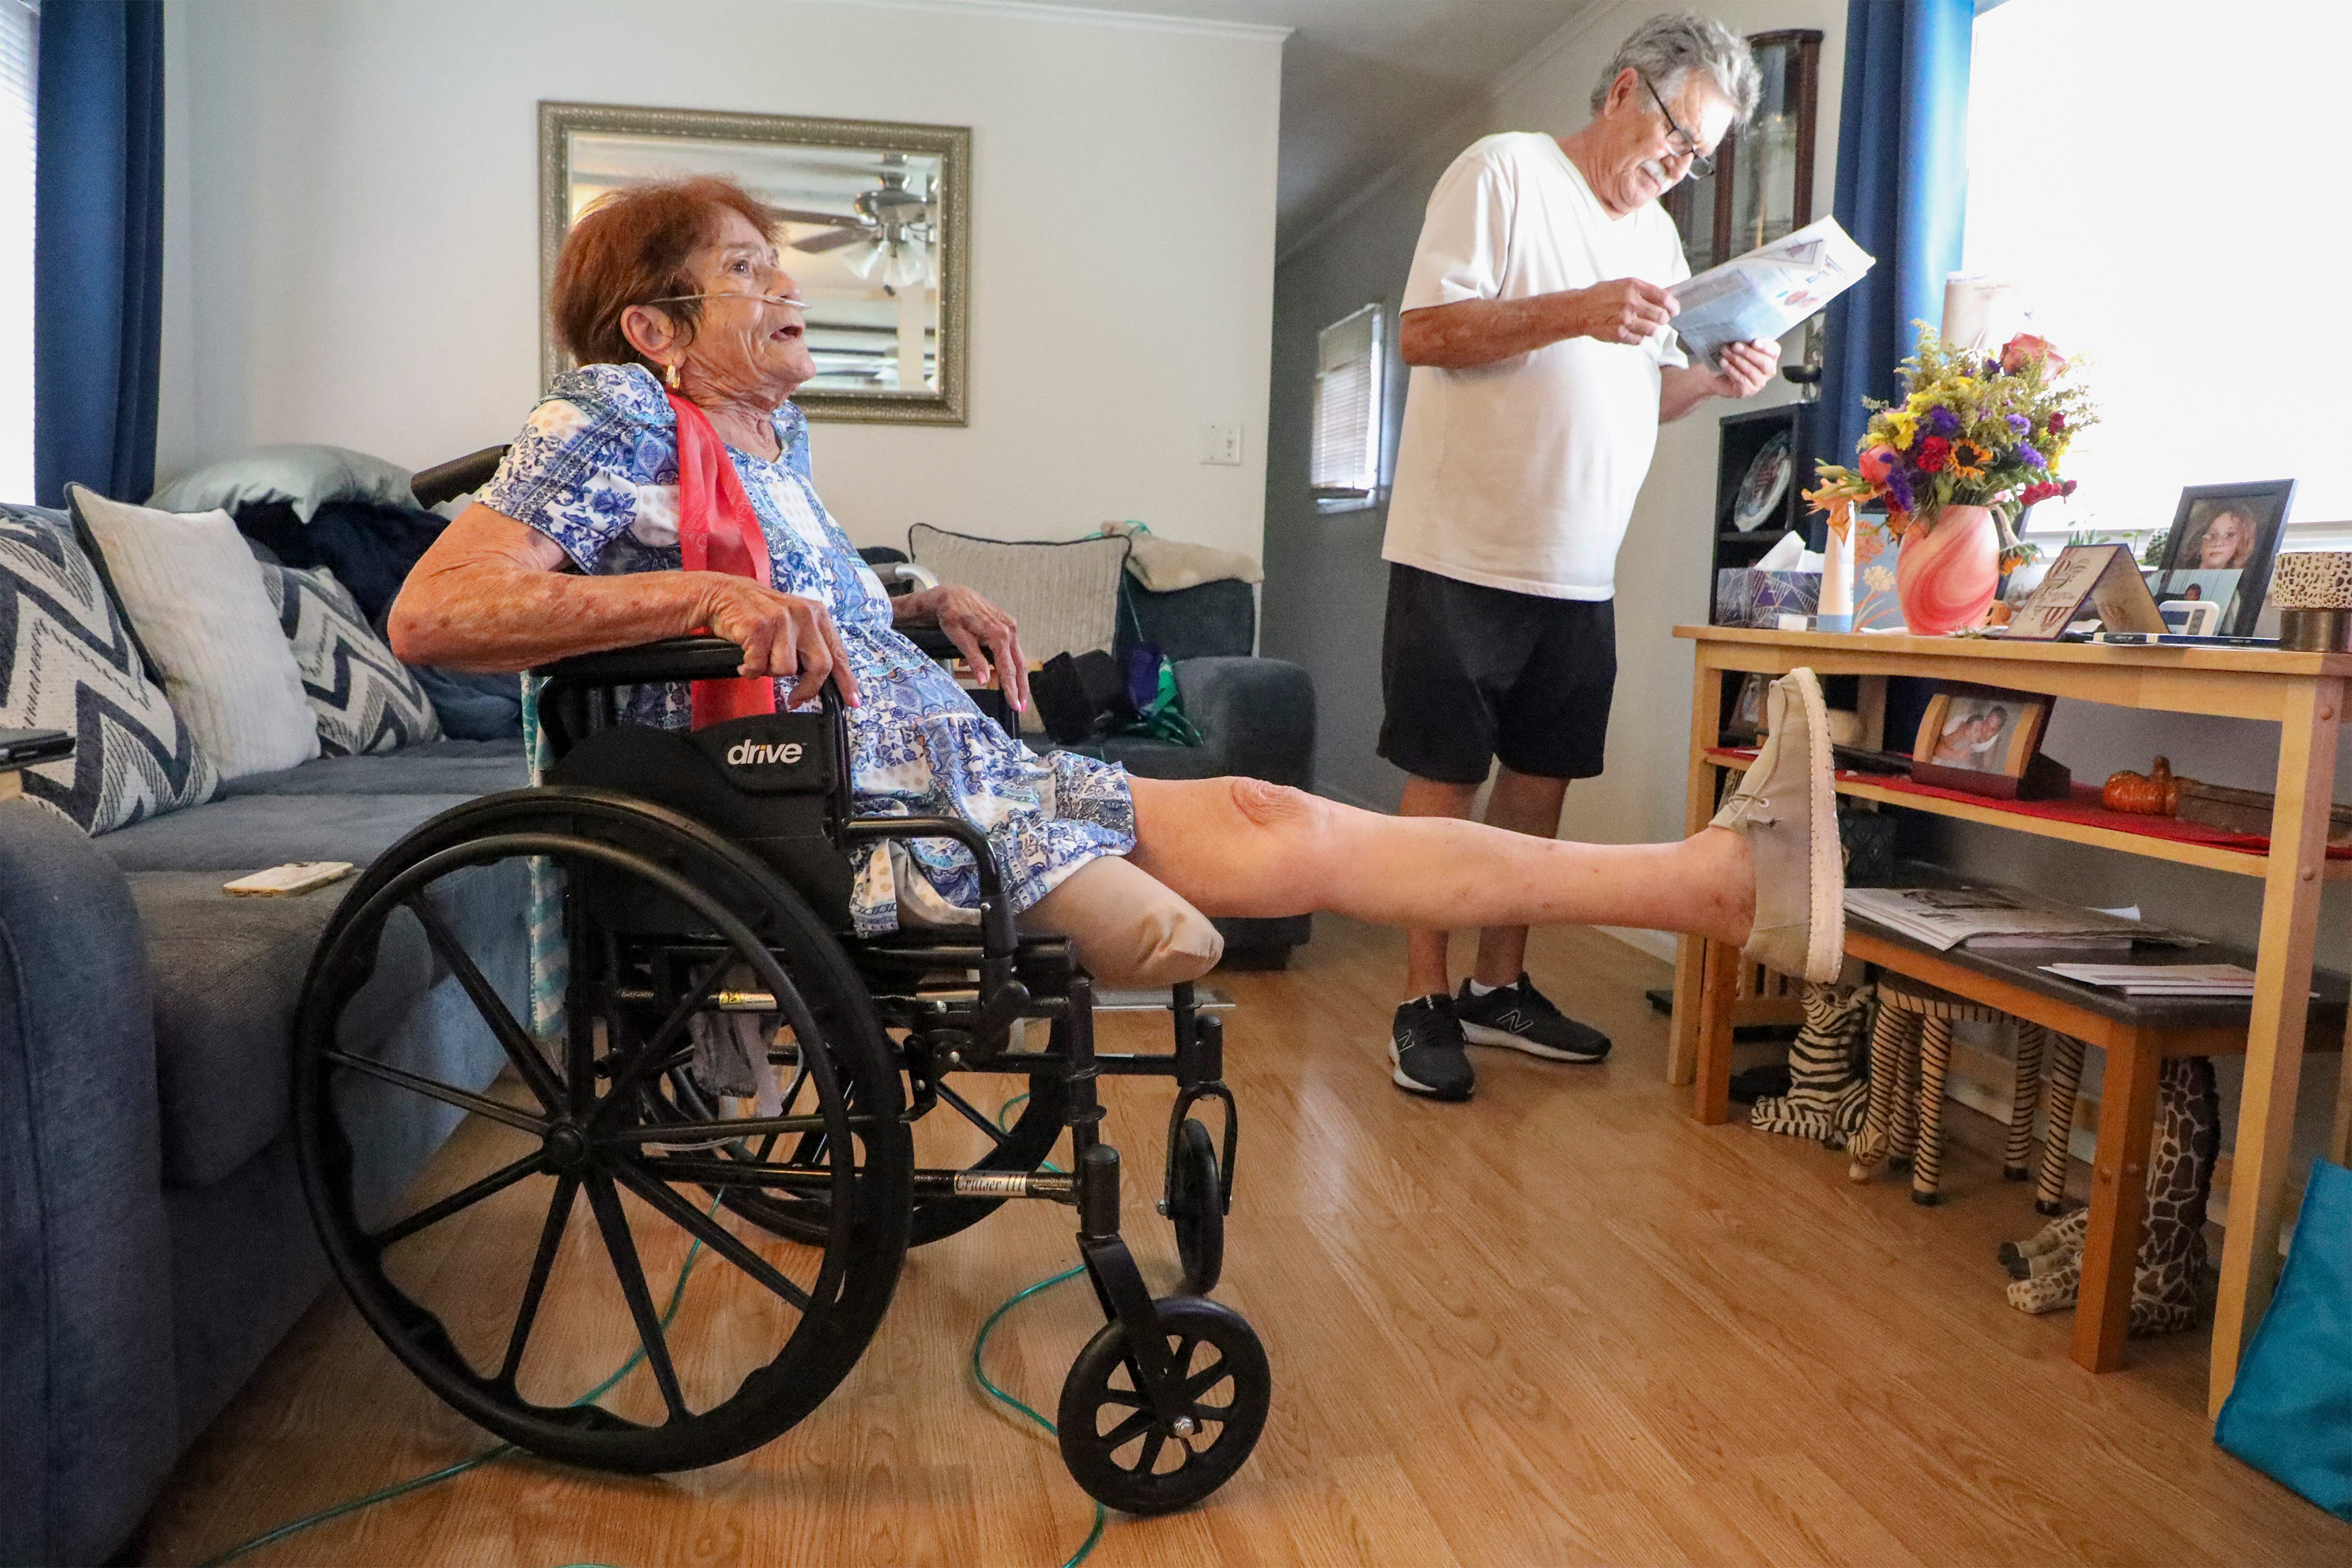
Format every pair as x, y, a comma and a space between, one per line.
596, 471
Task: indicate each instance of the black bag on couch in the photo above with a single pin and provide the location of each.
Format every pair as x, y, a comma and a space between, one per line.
1082, 697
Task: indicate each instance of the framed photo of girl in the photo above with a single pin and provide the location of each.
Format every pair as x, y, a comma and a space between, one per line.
2223, 540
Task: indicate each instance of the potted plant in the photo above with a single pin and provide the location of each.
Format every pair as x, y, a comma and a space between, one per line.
1973, 442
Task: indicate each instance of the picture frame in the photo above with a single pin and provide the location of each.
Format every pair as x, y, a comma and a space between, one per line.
1744, 725
877, 218
2102, 582
2218, 530
1987, 740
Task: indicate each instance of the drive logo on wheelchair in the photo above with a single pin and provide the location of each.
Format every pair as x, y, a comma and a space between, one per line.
772, 753
747, 753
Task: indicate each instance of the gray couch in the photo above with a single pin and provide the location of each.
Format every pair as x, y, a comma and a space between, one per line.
154, 1243
1256, 719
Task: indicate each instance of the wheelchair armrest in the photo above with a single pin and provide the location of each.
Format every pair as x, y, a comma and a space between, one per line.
446, 481
672, 658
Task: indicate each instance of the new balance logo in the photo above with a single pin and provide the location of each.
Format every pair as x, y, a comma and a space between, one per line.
747, 753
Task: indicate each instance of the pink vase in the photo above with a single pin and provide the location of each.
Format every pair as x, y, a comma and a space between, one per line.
1944, 576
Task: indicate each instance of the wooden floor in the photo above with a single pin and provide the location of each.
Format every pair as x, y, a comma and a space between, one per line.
1559, 1324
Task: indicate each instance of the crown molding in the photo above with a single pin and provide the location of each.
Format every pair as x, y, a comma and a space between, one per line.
1030, 11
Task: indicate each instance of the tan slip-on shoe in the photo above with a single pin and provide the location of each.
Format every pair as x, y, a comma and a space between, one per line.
1786, 807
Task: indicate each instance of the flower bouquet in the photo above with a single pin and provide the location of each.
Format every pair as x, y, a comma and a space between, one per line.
1973, 442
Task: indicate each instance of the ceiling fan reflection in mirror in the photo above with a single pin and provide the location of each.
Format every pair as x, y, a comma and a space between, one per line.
893, 232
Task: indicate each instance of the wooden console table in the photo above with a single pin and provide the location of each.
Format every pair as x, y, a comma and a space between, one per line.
2302, 693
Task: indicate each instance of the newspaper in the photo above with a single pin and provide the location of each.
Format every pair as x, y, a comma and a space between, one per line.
1943, 917
1764, 293
2162, 979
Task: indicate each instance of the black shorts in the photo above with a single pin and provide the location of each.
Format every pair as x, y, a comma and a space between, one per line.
1470, 673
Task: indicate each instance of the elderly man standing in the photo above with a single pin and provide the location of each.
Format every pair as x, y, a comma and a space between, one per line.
1536, 323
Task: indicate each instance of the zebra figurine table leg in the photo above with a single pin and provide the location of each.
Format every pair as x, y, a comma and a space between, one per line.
1906, 1104
1935, 1063
2026, 1091
1890, 1043
2066, 1079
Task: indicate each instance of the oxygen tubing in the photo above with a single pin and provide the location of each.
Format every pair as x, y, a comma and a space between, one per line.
669, 1314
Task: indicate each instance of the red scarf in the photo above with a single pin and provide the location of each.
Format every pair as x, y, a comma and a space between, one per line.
718, 532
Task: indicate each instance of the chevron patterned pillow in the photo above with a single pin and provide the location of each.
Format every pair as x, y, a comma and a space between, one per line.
366, 700
66, 662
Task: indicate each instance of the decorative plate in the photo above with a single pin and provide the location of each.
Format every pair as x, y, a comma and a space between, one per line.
1767, 481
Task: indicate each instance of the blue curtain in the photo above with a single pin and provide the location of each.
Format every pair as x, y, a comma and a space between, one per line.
1902, 193
98, 246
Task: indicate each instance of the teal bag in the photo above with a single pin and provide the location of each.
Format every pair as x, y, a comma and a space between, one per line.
2290, 1413
1161, 714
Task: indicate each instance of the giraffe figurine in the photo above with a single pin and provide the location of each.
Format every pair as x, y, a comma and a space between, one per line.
2167, 1273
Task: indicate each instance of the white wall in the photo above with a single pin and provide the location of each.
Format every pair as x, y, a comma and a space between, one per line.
352, 240
1326, 585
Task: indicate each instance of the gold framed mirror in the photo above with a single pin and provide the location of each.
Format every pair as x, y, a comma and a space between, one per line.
876, 231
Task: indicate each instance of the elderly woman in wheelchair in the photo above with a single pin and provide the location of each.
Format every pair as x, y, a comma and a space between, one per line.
769, 804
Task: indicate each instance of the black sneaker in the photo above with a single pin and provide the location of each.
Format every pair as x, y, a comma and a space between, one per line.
1523, 1018
1426, 1051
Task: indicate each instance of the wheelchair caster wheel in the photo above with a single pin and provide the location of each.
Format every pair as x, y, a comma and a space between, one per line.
1129, 1458
1196, 1207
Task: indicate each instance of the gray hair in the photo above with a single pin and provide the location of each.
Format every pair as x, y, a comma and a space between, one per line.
1668, 47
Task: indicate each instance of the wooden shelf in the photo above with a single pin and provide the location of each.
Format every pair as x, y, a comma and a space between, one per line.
2116, 836
2302, 694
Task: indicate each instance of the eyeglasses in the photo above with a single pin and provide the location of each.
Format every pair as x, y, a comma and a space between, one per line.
1682, 142
793, 300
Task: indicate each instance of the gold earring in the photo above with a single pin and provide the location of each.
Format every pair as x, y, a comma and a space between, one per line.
672, 376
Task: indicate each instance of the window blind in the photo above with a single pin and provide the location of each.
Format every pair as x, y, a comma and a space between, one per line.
1346, 461
19, 38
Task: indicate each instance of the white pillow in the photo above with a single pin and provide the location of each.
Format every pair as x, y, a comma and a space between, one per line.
195, 593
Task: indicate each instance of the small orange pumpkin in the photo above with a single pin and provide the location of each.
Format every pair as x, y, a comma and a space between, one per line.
2155, 792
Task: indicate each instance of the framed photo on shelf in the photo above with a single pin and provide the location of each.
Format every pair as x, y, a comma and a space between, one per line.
2223, 541
1745, 725
1984, 739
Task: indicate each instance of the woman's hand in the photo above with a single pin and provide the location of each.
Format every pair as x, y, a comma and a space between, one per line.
979, 629
783, 635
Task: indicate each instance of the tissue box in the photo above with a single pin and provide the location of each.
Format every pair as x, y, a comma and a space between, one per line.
1747, 597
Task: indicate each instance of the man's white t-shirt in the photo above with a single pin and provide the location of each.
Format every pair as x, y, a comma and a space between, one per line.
1521, 474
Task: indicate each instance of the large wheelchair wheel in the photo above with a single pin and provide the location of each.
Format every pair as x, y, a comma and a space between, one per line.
659, 917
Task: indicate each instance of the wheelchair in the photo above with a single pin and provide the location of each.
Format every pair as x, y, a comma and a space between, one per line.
701, 880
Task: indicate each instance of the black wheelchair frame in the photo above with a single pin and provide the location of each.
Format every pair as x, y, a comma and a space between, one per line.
705, 879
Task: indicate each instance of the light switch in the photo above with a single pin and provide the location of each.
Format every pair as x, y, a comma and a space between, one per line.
1222, 444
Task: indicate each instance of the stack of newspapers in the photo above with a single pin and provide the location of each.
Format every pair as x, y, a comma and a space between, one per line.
1994, 917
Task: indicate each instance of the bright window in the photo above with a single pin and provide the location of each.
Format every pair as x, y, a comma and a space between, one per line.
1345, 468
19, 33
2157, 180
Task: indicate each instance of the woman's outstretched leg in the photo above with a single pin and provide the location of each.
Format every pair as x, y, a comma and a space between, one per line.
1244, 848
1239, 846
